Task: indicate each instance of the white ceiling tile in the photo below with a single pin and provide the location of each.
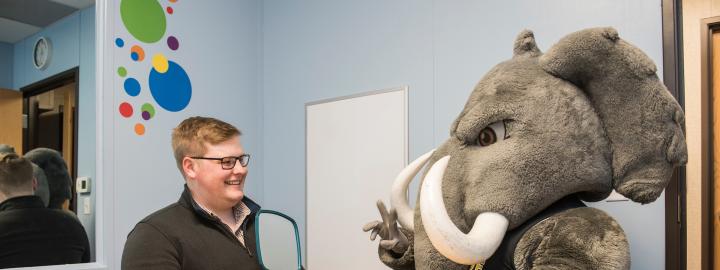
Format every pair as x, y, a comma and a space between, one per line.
78, 4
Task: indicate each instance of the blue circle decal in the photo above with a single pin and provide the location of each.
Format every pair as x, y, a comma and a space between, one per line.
172, 89
132, 87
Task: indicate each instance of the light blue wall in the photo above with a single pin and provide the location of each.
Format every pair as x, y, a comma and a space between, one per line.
86, 115
322, 49
73, 45
318, 49
220, 49
64, 36
19, 59
6, 65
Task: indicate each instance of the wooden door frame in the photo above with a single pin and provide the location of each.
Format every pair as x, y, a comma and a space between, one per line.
49, 84
675, 198
707, 161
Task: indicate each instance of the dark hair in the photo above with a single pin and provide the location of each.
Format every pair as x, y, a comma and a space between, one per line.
56, 171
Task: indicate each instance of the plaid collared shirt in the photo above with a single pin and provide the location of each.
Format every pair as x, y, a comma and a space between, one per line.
240, 213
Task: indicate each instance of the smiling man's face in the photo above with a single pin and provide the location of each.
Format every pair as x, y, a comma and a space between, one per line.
210, 184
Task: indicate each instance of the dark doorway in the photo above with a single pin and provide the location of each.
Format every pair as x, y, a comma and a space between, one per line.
675, 201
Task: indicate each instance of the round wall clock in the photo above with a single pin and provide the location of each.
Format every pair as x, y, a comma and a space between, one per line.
41, 53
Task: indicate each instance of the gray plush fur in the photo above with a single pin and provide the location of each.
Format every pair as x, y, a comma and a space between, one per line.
580, 238
588, 117
642, 120
404, 261
56, 171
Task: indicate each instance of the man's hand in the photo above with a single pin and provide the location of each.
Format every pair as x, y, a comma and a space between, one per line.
390, 237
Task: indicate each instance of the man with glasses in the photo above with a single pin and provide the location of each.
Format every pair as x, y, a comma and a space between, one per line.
212, 225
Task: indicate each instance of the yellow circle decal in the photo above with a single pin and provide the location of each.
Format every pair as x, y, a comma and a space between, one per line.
160, 63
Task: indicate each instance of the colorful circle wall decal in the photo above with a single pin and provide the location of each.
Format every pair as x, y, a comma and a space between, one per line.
173, 43
132, 87
137, 53
172, 89
122, 71
146, 22
126, 109
148, 111
144, 19
139, 129
160, 63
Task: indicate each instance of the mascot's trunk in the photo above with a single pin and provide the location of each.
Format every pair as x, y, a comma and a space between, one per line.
472, 248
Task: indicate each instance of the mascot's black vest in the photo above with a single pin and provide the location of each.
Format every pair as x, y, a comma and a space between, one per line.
503, 258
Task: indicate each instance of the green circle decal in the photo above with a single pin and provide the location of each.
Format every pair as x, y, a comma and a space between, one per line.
148, 111
144, 19
122, 71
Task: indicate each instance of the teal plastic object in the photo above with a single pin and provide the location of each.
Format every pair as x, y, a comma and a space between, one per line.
257, 237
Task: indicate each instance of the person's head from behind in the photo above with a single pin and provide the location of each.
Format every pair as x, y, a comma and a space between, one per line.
6, 148
16, 176
56, 172
40, 185
212, 161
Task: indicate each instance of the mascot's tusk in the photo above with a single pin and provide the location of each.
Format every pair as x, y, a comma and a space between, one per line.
472, 248
399, 196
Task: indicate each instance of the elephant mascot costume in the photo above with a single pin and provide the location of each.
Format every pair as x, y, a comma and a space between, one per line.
539, 134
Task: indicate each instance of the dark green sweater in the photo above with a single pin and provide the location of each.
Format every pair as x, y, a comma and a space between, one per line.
183, 236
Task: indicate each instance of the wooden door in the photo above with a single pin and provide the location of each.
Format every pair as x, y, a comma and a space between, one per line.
53, 124
11, 105
68, 133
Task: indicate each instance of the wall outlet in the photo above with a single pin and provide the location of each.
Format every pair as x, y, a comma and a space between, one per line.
86, 206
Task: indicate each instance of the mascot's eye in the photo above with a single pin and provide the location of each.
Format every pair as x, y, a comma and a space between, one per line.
487, 137
491, 134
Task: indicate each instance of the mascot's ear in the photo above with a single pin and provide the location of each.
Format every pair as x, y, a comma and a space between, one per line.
525, 45
642, 121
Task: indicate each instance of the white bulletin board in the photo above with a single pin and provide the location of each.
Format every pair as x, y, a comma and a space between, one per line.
355, 146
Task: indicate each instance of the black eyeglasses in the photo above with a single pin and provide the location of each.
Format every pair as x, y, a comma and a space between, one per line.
228, 163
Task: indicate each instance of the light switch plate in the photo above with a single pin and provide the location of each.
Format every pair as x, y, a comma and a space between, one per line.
82, 185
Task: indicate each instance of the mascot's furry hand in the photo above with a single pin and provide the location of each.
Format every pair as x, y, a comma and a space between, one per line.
391, 237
